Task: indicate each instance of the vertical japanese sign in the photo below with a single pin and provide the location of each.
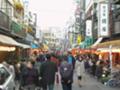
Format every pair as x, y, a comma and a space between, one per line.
103, 20
79, 39
89, 28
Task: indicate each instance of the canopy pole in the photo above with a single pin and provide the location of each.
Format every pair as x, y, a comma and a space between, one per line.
110, 56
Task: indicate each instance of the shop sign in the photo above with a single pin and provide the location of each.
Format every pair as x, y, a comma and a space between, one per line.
103, 20
79, 39
89, 28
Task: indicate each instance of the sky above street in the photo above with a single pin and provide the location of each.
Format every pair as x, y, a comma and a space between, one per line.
52, 12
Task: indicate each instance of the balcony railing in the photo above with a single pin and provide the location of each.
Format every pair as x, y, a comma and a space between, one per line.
4, 21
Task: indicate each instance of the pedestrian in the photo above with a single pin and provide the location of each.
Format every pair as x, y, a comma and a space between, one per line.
30, 77
66, 72
39, 60
56, 61
87, 65
99, 70
93, 67
71, 59
23, 67
47, 72
79, 67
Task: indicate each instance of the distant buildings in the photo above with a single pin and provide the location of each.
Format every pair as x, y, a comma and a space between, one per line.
53, 37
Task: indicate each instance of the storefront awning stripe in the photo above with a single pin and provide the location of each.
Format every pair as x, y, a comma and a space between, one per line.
8, 40
114, 43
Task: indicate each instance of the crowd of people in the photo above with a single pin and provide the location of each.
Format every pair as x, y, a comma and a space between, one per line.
41, 71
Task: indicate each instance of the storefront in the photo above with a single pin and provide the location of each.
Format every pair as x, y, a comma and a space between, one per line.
10, 48
110, 50
7, 47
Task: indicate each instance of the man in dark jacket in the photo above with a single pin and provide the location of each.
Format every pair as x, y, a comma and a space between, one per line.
30, 77
47, 73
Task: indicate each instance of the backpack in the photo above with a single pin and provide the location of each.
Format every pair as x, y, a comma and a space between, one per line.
66, 71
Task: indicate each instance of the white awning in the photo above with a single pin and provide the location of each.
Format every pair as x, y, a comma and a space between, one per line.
97, 42
8, 40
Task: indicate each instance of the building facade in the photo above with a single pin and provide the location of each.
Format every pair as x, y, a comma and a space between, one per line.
13, 29
102, 20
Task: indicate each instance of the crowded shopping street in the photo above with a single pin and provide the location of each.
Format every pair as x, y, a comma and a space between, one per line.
59, 44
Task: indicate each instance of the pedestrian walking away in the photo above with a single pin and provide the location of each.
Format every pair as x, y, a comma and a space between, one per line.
66, 72
47, 73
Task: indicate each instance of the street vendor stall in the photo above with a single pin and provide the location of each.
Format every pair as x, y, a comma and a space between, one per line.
104, 54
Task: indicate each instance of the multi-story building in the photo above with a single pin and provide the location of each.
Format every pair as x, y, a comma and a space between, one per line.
80, 17
53, 37
97, 20
83, 17
13, 30
103, 15
116, 16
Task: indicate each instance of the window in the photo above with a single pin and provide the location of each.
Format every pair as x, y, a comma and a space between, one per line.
104, 21
9, 9
104, 29
3, 75
3, 6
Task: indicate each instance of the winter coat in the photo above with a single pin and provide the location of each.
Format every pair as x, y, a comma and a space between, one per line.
79, 68
66, 72
30, 76
47, 72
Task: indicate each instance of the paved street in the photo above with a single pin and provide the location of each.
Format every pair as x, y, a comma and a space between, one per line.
89, 83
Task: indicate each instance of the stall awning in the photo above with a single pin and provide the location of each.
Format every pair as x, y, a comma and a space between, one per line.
8, 40
97, 42
114, 43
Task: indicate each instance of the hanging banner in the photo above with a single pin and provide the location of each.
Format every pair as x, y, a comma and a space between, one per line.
103, 20
89, 28
78, 39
